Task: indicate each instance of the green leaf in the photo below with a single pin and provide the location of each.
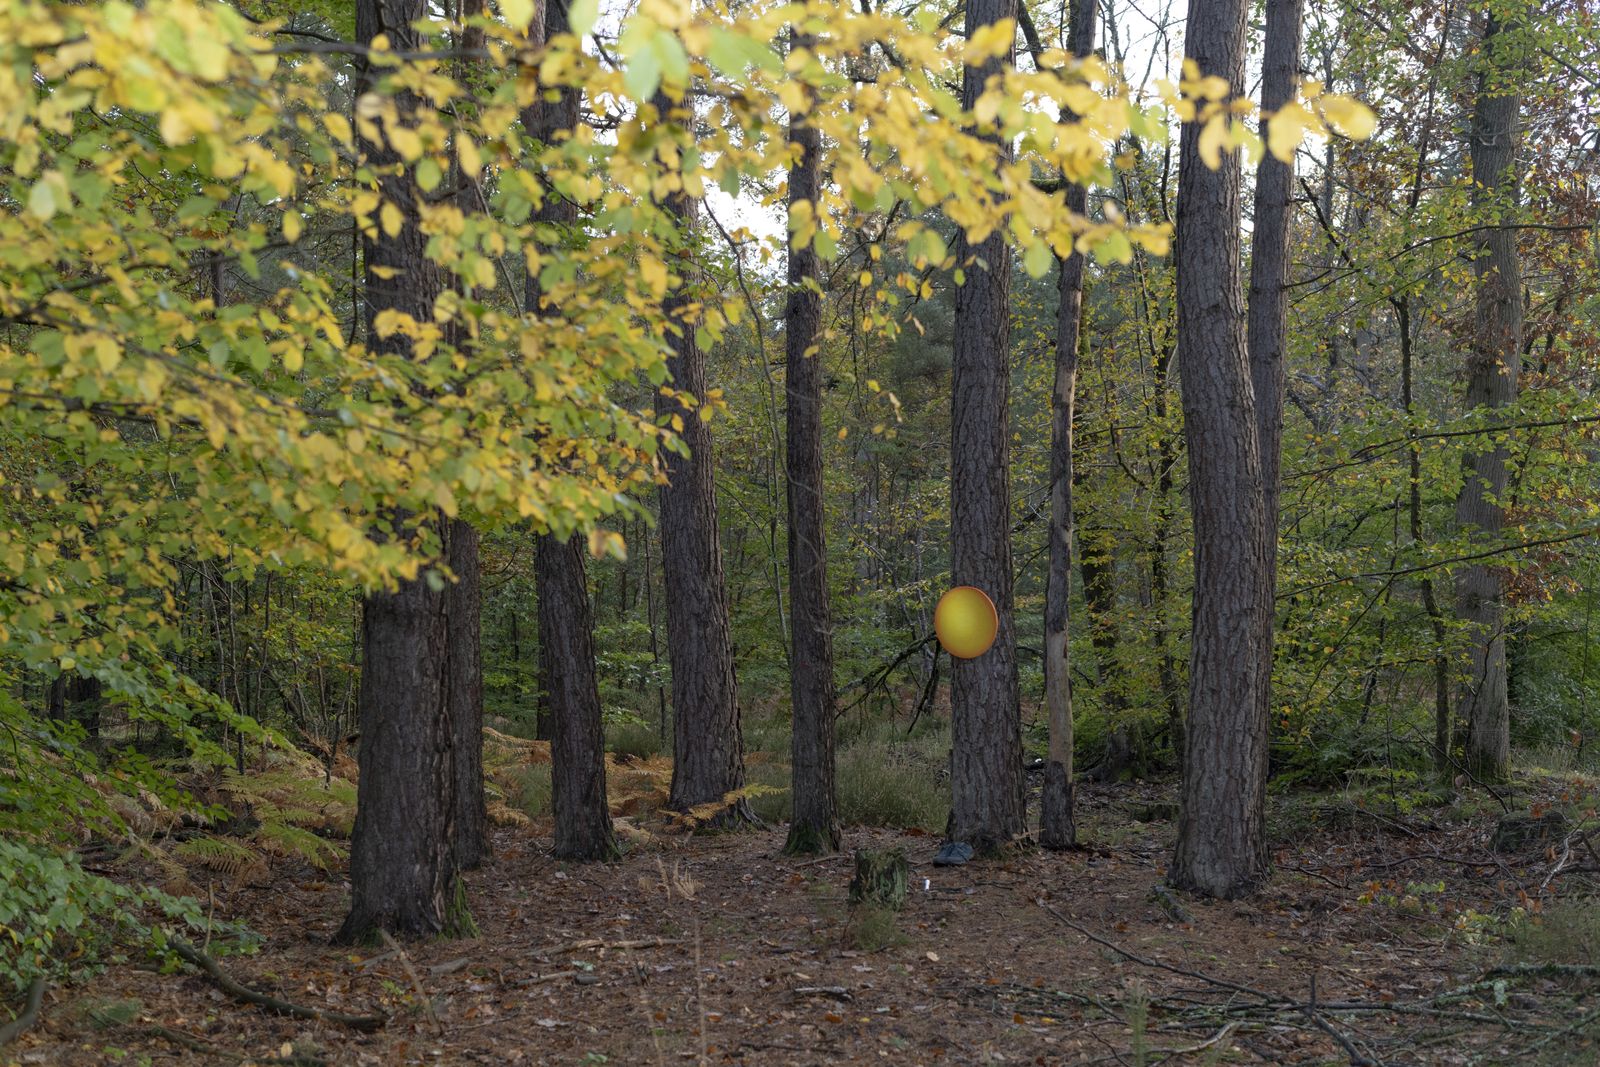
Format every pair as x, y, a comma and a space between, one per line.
42, 201
582, 15
674, 60
1037, 259
643, 75
1114, 249
428, 175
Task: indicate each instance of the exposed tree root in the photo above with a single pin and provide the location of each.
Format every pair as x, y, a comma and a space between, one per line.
30, 1013
196, 958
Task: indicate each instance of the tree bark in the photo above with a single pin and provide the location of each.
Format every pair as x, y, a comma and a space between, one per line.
1221, 847
577, 749
987, 808
1267, 328
464, 610
570, 702
465, 599
1057, 828
813, 826
707, 749
1492, 367
401, 866
402, 872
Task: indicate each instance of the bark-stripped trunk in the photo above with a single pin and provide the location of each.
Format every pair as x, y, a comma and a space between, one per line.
987, 809
465, 599
707, 749
402, 872
1057, 828
1268, 316
571, 696
1492, 367
814, 824
1221, 849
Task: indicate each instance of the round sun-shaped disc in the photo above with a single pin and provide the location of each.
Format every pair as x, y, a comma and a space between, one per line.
966, 622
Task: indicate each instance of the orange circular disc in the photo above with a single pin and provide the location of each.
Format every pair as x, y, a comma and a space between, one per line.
966, 622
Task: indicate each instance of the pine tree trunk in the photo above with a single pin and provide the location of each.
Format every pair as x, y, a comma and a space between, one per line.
1221, 848
1492, 368
987, 804
465, 599
577, 749
813, 826
1057, 828
464, 606
402, 873
1267, 329
570, 713
707, 749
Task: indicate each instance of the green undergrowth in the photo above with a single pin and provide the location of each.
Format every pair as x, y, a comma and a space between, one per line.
62, 923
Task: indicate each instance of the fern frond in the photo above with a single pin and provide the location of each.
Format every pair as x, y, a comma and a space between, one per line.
221, 855
704, 813
175, 878
294, 842
502, 814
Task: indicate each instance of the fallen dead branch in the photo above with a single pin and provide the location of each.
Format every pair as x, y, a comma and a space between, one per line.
1264, 998
604, 945
1271, 1010
416, 981
195, 958
837, 992
30, 1013
196, 1043
540, 979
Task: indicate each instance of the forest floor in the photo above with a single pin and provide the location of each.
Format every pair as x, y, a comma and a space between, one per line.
1377, 941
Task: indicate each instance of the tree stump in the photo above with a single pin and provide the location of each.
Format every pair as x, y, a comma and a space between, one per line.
1520, 830
880, 879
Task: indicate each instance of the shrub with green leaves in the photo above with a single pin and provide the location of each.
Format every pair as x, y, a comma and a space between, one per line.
61, 922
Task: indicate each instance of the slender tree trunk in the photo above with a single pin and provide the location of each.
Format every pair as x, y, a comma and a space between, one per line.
708, 751
1221, 848
1492, 368
1166, 662
402, 873
1443, 742
1268, 325
1057, 828
814, 824
1097, 563
464, 600
987, 808
566, 619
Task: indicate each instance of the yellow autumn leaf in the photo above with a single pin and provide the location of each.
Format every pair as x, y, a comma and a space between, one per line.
990, 42
654, 273
391, 220
1287, 128
406, 142
1350, 117
517, 12
1213, 138
291, 225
